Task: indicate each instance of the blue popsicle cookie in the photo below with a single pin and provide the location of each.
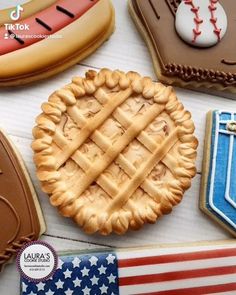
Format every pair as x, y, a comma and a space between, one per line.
218, 189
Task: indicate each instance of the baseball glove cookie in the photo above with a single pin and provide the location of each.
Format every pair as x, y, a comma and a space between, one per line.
55, 36
191, 41
20, 214
114, 150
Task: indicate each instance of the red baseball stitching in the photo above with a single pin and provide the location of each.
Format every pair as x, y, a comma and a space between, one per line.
213, 18
197, 19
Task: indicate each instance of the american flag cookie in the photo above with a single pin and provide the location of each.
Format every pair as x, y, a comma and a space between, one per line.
114, 150
206, 268
69, 30
218, 188
191, 41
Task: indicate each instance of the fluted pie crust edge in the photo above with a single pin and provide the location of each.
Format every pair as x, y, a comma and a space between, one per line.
85, 188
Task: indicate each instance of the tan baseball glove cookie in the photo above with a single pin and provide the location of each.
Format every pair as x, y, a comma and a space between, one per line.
114, 150
50, 37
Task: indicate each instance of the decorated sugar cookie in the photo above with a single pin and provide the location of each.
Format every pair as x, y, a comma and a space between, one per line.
27, 9
203, 268
114, 151
191, 42
21, 218
50, 37
218, 193
201, 23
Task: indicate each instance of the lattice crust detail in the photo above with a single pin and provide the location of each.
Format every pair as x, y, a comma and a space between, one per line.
114, 150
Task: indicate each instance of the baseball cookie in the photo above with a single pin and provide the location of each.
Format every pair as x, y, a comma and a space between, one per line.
191, 41
206, 268
114, 150
218, 192
55, 36
20, 214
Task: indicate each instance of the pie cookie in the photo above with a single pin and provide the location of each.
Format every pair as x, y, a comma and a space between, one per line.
69, 30
114, 150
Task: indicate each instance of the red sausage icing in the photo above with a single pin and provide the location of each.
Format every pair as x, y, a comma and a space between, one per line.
46, 22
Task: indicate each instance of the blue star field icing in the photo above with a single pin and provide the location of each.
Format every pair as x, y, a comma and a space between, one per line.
95, 273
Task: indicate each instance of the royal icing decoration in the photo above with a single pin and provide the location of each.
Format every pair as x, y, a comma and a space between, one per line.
42, 24
201, 23
200, 269
20, 216
220, 200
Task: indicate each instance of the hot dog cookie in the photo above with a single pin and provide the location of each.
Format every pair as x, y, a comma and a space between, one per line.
76, 30
29, 9
191, 41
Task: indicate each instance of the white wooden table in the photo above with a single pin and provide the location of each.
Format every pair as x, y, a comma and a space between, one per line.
19, 106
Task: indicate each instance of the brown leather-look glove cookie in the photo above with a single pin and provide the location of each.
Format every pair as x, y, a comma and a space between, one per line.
191, 41
20, 214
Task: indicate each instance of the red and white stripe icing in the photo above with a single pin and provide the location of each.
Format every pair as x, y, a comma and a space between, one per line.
212, 7
52, 17
198, 21
178, 271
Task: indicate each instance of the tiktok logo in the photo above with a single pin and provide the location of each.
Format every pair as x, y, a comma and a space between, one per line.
16, 14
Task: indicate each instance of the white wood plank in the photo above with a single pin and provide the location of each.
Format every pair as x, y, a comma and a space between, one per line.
125, 50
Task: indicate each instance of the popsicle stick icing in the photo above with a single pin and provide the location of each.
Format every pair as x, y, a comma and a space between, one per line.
42, 24
220, 191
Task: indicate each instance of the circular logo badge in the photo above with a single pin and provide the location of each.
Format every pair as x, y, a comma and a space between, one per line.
37, 261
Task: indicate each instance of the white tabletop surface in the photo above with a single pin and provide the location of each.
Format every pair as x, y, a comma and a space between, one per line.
125, 50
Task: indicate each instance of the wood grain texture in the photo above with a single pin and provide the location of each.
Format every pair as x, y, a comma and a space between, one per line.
19, 106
